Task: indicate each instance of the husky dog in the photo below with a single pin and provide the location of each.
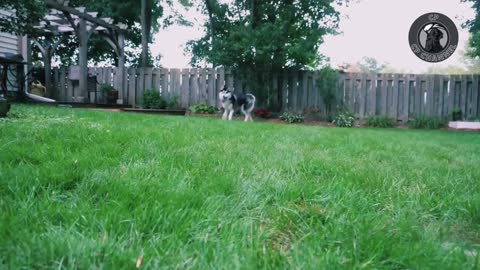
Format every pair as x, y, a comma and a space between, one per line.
231, 102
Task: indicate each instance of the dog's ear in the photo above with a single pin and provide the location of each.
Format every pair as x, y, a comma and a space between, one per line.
224, 88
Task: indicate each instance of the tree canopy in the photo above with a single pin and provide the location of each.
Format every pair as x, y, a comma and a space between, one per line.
474, 27
261, 37
267, 33
24, 15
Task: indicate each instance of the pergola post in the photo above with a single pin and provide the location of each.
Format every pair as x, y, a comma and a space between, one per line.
47, 49
83, 58
121, 66
47, 70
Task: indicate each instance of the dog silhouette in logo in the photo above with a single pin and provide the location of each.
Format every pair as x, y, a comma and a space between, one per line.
434, 35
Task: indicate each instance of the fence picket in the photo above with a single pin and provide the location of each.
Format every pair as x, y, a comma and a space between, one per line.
475, 94
194, 95
132, 86
164, 82
62, 75
211, 87
185, 95
202, 86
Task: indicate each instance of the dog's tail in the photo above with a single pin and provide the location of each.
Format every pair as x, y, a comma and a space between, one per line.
251, 102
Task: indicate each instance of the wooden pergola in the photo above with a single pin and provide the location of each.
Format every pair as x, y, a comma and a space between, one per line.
63, 20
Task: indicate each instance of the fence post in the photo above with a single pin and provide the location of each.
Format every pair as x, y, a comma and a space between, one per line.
203, 86
475, 109
193, 86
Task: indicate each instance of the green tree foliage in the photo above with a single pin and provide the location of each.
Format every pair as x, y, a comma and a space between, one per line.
258, 38
126, 12
24, 15
474, 27
29, 12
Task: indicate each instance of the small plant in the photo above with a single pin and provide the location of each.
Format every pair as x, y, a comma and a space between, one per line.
263, 113
202, 108
110, 93
456, 114
172, 102
106, 88
344, 119
292, 117
153, 100
380, 121
429, 122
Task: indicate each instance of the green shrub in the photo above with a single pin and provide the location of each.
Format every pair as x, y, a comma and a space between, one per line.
153, 100
106, 88
291, 117
380, 121
344, 119
430, 122
172, 103
456, 114
203, 108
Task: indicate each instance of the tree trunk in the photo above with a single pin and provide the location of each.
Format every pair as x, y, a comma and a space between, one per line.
146, 21
210, 5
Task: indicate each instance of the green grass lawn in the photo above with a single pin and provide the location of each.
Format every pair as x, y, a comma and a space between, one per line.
91, 189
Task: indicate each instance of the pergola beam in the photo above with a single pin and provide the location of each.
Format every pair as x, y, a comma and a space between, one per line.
86, 16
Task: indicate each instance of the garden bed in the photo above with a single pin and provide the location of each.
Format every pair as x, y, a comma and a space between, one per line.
203, 114
156, 111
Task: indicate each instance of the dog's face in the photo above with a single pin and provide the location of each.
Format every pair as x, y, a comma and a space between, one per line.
225, 95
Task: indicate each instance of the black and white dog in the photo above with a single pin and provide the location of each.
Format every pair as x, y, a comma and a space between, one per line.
231, 102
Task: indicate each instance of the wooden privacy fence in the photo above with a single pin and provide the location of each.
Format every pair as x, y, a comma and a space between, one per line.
187, 86
400, 96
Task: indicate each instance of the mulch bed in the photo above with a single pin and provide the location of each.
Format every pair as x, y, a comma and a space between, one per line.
307, 123
155, 111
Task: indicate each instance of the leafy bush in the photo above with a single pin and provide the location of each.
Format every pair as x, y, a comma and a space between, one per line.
380, 121
292, 117
344, 119
429, 122
456, 114
153, 100
172, 103
203, 108
263, 113
106, 88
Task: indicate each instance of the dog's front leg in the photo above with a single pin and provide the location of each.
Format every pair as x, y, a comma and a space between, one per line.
230, 115
225, 114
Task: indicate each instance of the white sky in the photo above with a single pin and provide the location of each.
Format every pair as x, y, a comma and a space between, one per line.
371, 28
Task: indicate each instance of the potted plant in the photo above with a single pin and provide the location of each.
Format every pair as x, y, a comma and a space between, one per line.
110, 93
